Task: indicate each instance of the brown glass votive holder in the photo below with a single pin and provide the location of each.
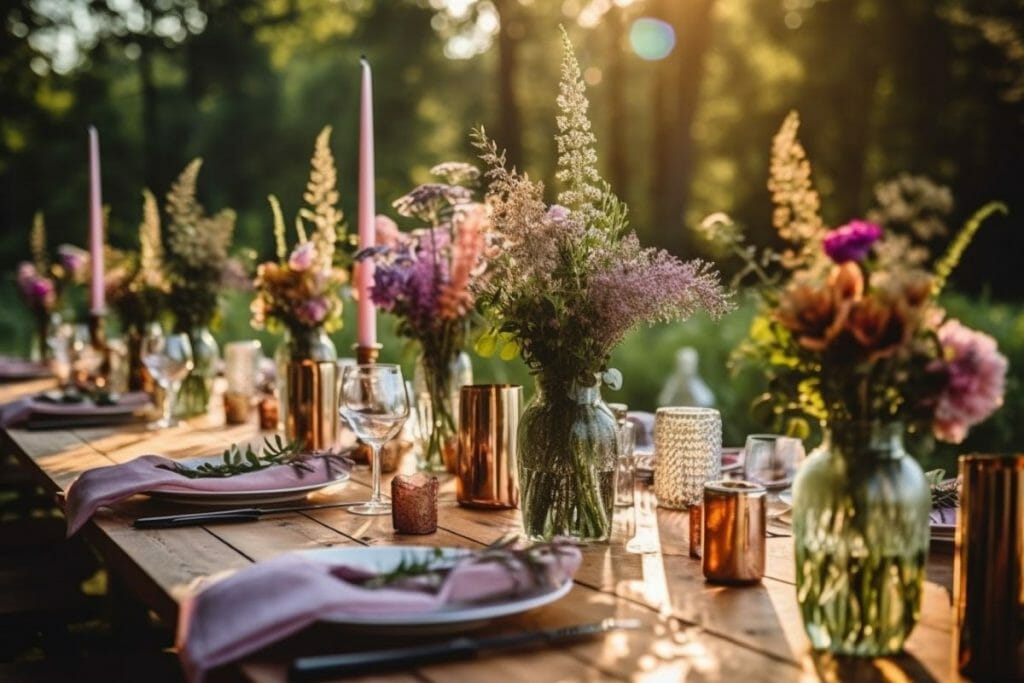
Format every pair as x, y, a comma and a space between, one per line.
268, 413
414, 503
237, 407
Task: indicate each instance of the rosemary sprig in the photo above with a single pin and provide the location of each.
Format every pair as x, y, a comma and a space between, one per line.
945, 493
237, 460
429, 571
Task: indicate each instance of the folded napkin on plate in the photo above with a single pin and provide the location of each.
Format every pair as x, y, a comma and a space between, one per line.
19, 368
27, 409
106, 485
943, 515
269, 601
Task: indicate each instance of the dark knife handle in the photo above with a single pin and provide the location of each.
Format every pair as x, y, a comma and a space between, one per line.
173, 521
321, 667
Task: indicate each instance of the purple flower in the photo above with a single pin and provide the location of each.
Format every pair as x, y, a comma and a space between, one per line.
302, 257
313, 311
74, 260
852, 241
389, 283
558, 213
976, 383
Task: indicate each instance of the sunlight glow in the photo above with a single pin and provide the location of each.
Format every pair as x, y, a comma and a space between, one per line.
652, 39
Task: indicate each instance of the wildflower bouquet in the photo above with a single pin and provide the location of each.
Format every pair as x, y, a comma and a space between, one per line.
135, 283
425, 279
567, 284
851, 330
300, 291
43, 284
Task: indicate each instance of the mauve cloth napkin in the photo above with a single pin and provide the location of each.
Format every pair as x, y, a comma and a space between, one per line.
106, 485
269, 601
944, 515
19, 368
17, 412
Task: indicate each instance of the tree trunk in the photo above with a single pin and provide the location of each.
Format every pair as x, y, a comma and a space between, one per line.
677, 84
509, 117
615, 84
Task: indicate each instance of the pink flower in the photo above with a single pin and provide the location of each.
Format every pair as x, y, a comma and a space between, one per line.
977, 380
313, 311
388, 234
558, 213
302, 257
74, 260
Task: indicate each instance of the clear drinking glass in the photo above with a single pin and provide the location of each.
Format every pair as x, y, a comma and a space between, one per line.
626, 475
168, 358
374, 401
772, 461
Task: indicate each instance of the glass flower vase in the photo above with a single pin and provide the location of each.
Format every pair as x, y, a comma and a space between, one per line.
436, 383
860, 531
568, 441
308, 383
197, 388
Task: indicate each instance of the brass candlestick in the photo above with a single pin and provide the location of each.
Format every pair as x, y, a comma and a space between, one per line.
367, 355
98, 341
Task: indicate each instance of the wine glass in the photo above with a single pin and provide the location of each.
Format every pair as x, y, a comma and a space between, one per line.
374, 401
771, 461
168, 358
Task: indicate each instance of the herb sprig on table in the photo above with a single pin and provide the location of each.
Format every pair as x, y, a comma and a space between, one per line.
945, 492
430, 570
239, 460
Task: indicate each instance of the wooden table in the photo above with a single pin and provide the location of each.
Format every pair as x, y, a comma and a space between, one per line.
693, 630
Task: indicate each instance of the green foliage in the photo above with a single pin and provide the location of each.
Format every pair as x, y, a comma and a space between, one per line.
239, 460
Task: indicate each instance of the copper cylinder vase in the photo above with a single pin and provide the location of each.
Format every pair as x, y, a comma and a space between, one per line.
309, 403
487, 469
988, 568
735, 526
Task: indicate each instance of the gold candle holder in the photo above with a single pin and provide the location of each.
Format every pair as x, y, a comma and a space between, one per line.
734, 532
367, 355
487, 467
988, 568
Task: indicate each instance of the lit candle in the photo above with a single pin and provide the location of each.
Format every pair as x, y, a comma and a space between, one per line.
366, 324
96, 224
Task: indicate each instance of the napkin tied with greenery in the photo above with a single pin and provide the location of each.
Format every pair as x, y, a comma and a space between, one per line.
277, 465
269, 601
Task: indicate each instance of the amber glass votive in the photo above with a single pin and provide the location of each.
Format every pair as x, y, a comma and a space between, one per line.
414, 503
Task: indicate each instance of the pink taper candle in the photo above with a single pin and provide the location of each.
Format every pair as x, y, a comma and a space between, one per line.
366, 324
99, 305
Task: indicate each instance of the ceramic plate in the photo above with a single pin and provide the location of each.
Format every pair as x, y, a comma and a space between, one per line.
452, 618
85, 408
732, 459
242, 498
13, 369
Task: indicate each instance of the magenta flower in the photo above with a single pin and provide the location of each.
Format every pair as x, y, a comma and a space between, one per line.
976, 380
302, 257
74, 260
851, 242
313, 311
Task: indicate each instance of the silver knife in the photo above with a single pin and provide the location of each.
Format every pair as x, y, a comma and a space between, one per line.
328, 666
221, 516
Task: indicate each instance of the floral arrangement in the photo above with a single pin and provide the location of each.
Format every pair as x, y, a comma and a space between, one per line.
571, 279
135, 282
851, 329
425, 278
196, 259
42, 283
300, 291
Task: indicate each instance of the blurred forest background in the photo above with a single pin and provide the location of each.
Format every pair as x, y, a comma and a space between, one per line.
686, 95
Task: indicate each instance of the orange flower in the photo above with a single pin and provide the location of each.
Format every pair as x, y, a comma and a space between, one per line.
811, 314
880, 325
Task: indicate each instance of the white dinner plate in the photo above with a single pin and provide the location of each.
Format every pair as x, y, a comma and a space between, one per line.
85, 409
242, 498
380, 559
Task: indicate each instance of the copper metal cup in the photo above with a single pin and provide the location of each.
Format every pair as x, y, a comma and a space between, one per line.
734, 532
487, 469
988, 568
308, 409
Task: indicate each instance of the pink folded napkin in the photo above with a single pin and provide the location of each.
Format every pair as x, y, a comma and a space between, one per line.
22, 410
19, 368
269, 601
643, 425
107, 485
946, 515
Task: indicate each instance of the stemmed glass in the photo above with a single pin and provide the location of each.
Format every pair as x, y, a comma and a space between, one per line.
168, 358
772, 461
374, 401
